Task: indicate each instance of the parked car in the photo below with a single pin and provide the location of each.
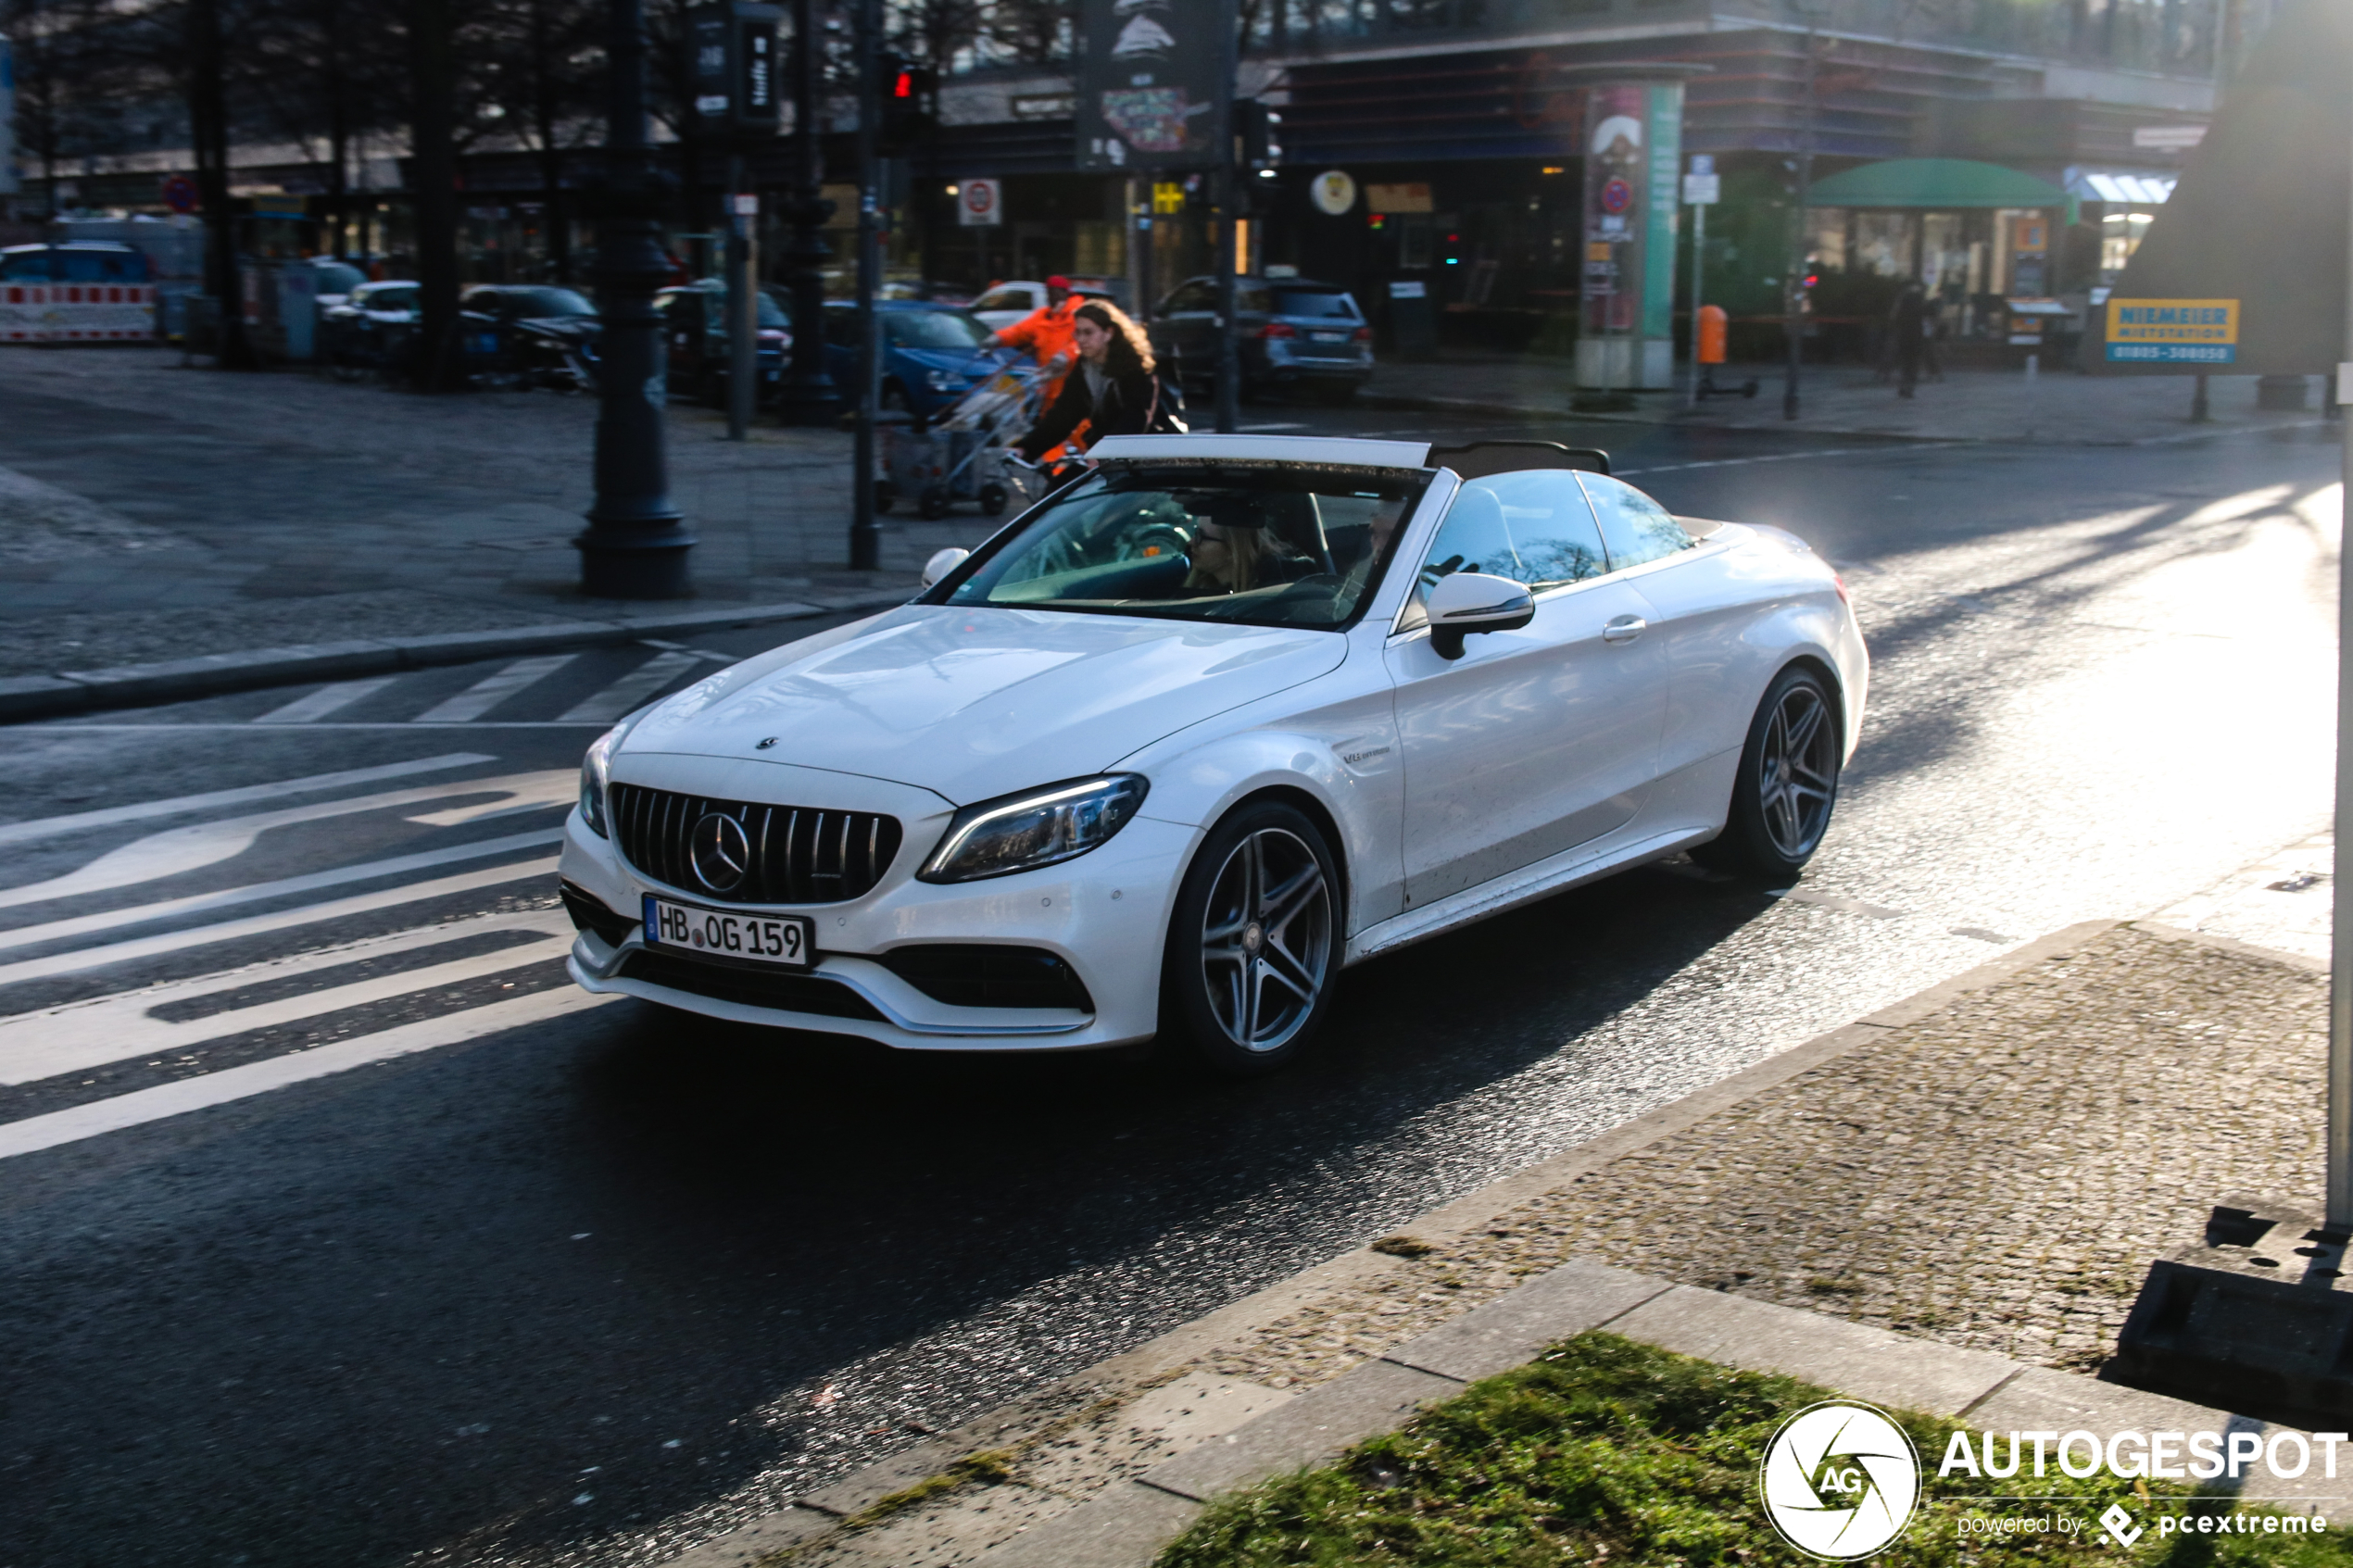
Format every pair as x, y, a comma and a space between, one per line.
931, 355
76, 261
367, 333
1199, 730
335, 280
1003, 304
1294, 334
697, 318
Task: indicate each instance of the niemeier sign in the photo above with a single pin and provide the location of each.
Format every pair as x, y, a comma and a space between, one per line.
1840, 1482
2173, 332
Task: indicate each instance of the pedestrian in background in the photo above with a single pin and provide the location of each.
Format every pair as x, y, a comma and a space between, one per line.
1045, 333
1907, 324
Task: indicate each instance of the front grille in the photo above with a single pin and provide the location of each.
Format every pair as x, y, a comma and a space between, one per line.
972, 974
799, 855
750, 987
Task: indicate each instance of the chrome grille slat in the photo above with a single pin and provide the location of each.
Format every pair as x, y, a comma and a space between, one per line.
800, 855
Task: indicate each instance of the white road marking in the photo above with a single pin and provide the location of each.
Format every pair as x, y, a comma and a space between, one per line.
280, 919
492, 690
325, 700
47, 827
1738, 462
633, 688
90, 1034
178, 850
254, 892
231, 1083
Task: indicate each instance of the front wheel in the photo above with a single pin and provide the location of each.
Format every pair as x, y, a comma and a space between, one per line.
1787, 785
1253, 944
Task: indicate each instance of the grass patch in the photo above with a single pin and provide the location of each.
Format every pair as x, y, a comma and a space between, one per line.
1611, 1452
994, 1467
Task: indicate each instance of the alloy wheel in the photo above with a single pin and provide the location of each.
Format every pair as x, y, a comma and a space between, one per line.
1797, 771
1267, 939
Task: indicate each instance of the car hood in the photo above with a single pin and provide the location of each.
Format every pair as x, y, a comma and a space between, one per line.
977, 703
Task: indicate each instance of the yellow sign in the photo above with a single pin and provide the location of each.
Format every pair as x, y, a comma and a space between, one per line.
1168, 196
2173, 332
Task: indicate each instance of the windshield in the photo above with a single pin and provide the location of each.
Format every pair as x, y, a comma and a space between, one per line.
549, 302
1271, 546
932, 329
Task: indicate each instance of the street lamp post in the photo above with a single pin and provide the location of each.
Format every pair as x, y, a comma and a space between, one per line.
866, 533
636, 545
1793, 293
809, 395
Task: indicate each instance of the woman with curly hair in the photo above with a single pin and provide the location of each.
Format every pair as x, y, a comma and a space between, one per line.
1114, 392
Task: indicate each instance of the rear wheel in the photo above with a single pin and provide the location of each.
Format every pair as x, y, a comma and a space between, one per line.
932, 504
1253, 944
1787, 784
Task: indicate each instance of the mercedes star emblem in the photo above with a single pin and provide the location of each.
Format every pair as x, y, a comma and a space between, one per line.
721, 852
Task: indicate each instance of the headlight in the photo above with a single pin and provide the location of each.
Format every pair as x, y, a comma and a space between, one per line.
596, 771
1036, 828
944, 381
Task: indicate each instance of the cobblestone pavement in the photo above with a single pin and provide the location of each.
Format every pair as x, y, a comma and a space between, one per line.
1997, 1175
2060, 407
156, 512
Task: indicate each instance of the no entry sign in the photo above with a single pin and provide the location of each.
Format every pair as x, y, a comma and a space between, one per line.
980, 203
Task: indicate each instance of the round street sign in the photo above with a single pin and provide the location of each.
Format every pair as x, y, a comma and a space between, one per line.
180, 194
979, 202
1617, 195
1334, 192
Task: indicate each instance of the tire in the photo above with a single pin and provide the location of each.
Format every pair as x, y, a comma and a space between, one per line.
932, 504
1254, 942
992, 499
1788, 782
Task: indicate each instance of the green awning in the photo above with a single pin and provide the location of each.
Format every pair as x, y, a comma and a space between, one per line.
1934, 183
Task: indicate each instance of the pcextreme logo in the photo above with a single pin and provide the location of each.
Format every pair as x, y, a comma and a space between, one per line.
1840, 1480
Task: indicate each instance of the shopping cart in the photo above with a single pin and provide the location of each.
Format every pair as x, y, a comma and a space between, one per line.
960, 455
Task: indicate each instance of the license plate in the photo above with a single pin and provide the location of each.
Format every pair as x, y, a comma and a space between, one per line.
1328, 337
788, 941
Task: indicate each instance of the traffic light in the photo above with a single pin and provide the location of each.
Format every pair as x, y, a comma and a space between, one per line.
1260, 128
910, 105
733, 65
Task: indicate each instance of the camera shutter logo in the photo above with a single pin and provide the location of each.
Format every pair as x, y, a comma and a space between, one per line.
1840, 1480
721, 852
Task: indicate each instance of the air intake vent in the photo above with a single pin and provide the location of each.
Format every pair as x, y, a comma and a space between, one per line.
795, 855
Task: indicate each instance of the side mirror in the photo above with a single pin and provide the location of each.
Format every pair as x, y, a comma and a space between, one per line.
941, 563
1465, 602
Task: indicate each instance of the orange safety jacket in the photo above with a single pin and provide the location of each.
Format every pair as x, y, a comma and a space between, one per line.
1045, 332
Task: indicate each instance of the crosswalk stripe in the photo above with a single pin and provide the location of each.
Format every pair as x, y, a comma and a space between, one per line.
47, 827
631, 688
254, 892
178, 850
35, 1045
231, 1083
279, 919
492, 690
325, 700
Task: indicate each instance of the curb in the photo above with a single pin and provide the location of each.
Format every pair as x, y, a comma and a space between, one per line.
1100, 1535
1407, 402
37, 696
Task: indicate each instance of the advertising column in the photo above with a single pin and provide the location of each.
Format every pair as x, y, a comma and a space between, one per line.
1633, 153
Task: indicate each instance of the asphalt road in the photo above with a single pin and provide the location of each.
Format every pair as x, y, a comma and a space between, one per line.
597, 1285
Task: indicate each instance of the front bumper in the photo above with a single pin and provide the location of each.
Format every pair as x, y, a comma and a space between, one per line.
1105, 914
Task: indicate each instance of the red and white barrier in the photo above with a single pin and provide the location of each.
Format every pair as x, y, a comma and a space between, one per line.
77, 312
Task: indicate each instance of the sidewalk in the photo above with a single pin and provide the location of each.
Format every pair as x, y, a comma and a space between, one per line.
1948, 1205
2059, 407
151, 513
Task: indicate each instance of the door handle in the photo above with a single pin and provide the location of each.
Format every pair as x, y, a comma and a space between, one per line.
1625, 629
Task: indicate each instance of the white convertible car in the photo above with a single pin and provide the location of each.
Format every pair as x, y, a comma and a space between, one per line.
1200, 731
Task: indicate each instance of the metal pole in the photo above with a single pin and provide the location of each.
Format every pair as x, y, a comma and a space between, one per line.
2340, 1144
865, 535
1699, 248
1794, 319
809, 397
1229, 348
635, 546
743, 309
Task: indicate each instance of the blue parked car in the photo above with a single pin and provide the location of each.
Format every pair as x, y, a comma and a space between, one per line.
932, 354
